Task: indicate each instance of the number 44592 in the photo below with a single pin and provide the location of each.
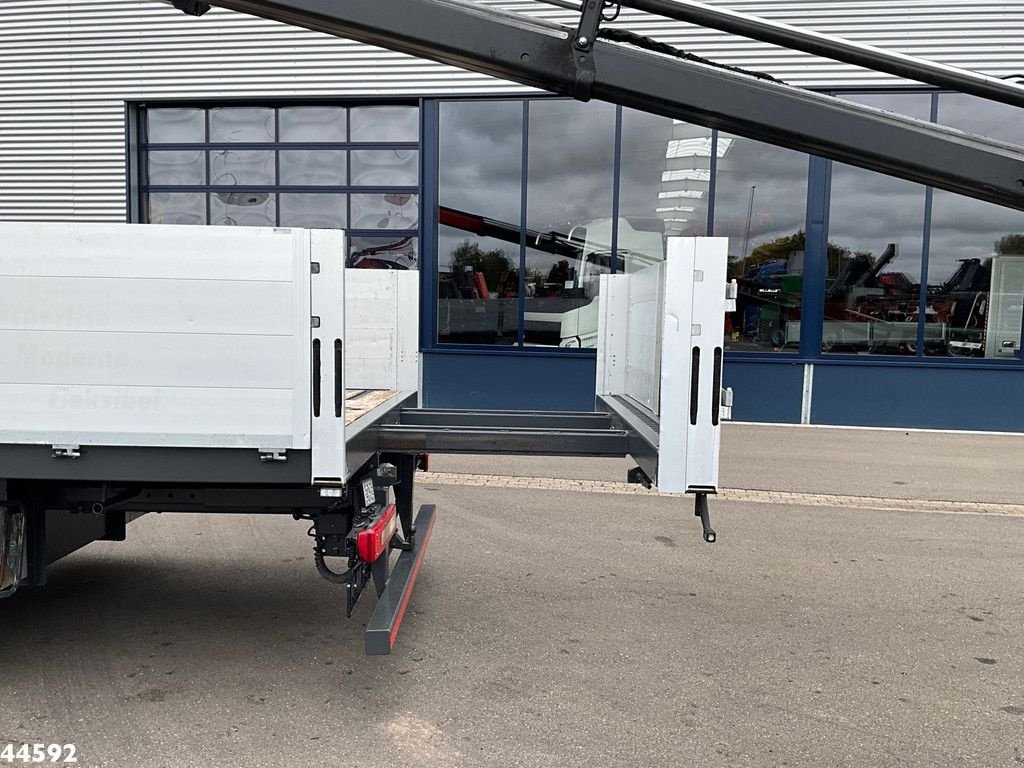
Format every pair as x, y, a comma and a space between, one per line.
39, 753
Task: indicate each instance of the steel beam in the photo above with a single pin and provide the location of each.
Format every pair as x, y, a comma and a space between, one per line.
541, 54
502, 440
835, 48
503, 419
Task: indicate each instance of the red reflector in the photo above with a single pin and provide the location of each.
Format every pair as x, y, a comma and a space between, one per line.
425, 462
374, 541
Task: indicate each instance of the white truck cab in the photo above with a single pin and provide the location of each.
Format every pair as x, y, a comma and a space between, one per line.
636, 249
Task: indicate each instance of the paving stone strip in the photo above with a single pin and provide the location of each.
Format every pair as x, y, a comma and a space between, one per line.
729, 494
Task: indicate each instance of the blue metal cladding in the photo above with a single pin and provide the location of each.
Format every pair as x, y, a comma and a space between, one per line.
765, 391
914, 396
508, 382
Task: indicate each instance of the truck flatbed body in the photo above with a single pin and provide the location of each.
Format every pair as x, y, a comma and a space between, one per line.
234, 370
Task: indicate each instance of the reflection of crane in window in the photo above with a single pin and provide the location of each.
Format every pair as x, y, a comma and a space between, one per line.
583, 253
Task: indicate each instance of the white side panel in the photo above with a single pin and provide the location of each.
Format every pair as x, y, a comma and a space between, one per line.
139, 358
164, 252
1003, 331
643, 321
155, 336
61, 414
161, 305
708, 321
669, 319
382, 329
613, 310
674, 419
688, 340
407, 320
327, 290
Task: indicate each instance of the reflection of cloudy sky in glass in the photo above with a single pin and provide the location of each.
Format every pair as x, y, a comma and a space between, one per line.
661, 156
780, 200
963, 228
480, 167
571, 169
870, 210
664, 176
572, 154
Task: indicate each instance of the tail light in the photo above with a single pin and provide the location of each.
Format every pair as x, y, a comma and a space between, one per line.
374, 541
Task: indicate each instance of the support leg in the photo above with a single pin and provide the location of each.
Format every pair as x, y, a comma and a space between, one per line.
702, 511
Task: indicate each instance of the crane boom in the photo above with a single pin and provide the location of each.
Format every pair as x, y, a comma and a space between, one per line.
571, 62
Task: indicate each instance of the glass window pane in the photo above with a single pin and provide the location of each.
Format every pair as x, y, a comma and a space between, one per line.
570, 181
876, 236
382, 124
385, 167
392, 210
176, 208
665, 175
175, 126
314, 211
761, 206
981, 116
313, 124
241, 124
243, 209
238, 167
380, 252
479, 190
182, 168
975, 286
314, 167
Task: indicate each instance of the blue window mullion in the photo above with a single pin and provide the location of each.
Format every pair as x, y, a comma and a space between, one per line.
429, 181
712, 182
277, 167
616, 181
926, 246
812, 313
348, 169
523, 174
206, 157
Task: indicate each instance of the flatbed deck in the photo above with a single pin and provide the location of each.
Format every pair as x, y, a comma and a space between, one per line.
359, 402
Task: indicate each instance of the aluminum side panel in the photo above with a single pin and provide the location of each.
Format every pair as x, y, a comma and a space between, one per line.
127, 335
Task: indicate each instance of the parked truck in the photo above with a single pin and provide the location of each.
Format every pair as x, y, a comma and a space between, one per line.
233, 370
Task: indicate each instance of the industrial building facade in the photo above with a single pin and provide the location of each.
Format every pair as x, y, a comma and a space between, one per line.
863, 299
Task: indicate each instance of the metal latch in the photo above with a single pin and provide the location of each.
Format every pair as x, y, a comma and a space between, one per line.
725, 407
65, 451
731, 292
273, 454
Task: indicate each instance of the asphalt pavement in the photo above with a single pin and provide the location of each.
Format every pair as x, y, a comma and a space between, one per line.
557, 628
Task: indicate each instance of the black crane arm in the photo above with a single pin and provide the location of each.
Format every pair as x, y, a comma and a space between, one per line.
562, 60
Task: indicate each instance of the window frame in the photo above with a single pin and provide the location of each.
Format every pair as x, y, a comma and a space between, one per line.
140, 147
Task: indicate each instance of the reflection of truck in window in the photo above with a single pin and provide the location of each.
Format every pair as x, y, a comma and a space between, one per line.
560, 300
637, 248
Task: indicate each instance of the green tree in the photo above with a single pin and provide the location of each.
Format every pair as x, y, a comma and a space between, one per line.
1010, 244
492, 264
781, 248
